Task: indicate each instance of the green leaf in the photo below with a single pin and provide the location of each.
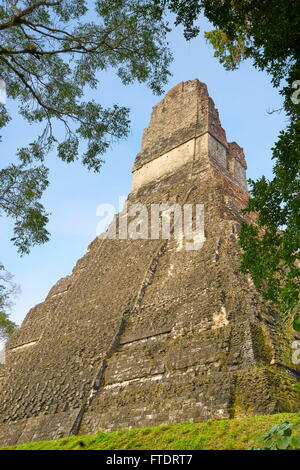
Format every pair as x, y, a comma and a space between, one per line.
296, 323
295, 441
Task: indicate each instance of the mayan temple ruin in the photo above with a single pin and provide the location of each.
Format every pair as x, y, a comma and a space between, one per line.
144, 331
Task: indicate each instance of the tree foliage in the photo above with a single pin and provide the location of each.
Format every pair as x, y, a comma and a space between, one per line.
8, 290
51, 52
21, 189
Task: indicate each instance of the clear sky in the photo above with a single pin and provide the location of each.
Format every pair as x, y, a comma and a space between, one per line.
242, 97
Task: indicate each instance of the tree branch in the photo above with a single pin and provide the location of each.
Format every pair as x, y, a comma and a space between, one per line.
17, 19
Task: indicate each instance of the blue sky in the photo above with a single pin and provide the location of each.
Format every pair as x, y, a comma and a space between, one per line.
242, 98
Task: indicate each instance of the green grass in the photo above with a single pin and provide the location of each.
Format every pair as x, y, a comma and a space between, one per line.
224, 434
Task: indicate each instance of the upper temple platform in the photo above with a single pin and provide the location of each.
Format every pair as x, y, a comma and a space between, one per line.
185, 126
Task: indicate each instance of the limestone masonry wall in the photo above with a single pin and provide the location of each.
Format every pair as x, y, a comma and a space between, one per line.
185, 126
144, 332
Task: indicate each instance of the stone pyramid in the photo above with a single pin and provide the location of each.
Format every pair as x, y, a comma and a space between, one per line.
145, 331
